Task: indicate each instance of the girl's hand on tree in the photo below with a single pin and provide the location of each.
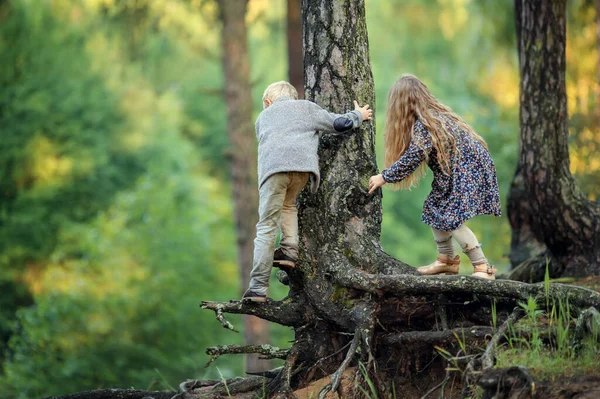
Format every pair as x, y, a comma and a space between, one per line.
375, 182
367, 113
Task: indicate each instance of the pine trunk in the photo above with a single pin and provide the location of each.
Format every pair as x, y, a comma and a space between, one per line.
545, 206
294, 44
242, 141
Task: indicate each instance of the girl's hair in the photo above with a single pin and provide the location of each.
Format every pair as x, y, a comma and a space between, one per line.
279, 89
409, 99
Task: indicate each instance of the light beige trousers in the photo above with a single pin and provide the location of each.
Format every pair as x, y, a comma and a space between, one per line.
276, 209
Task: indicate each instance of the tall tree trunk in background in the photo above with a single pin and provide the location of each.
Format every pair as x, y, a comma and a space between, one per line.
550, 208
597, 3
242, 140
294, 45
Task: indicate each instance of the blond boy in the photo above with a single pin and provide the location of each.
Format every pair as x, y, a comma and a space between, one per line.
288, 139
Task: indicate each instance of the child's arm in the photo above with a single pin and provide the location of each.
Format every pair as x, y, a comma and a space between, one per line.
328, 121
420, 146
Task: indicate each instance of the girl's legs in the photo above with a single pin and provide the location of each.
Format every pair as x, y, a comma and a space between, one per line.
470, 246
447, 262
443, 239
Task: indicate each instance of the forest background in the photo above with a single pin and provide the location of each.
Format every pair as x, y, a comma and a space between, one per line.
116, 215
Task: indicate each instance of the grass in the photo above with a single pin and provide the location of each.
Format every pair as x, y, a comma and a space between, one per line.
548, 364
557, 357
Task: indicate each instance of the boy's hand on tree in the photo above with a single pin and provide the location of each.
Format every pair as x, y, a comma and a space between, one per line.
375, 182
367, 113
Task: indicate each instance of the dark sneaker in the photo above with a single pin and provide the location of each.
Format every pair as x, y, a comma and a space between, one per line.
281, 260
251, 296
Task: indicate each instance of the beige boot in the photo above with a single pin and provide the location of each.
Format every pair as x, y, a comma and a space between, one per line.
442, 265
484, 270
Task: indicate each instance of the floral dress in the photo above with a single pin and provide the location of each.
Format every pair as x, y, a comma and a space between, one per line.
470, 190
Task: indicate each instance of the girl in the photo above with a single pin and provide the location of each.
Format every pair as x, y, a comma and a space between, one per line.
421, 131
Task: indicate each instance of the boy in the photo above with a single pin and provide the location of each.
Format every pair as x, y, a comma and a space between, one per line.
287, 132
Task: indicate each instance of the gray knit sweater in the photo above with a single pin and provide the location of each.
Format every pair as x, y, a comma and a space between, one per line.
288, 136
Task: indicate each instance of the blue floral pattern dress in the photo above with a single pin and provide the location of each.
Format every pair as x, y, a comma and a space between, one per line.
470, 190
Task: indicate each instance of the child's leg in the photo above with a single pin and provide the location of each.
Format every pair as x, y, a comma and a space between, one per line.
443, 240
289, 214
271, 196
469, 244
446, 262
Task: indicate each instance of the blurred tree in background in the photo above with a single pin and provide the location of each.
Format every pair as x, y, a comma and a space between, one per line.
115, 205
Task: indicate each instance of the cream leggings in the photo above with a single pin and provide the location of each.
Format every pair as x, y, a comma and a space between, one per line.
467, 240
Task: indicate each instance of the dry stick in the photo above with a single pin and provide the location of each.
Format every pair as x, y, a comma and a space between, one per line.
337, 376
224, 322
268, 351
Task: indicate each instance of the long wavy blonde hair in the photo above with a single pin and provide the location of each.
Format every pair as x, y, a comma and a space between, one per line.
408, 100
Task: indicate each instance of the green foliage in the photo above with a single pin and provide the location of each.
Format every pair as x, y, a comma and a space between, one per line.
554, 355
108, 220
60, 155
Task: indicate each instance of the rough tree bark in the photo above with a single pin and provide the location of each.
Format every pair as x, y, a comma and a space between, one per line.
550, 217
238, 98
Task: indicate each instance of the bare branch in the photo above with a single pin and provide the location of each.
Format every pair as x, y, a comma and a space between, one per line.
268, 351
286, 312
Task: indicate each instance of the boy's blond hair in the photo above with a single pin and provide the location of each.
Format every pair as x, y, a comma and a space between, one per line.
279, 89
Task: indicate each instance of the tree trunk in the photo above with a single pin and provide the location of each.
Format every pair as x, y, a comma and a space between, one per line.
238, 98
597, 3
294, 44
545, 207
